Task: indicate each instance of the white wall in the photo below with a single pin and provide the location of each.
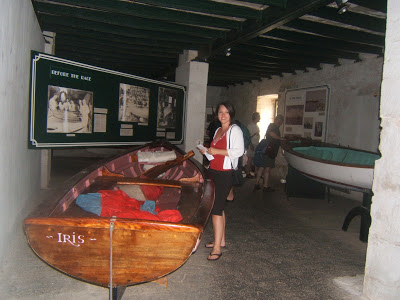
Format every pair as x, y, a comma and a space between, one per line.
19, 167
354, 100
193, 75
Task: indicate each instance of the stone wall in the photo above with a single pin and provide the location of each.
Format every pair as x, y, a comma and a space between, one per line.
382, 271
354, 98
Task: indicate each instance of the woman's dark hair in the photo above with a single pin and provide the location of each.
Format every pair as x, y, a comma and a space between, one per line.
231, 109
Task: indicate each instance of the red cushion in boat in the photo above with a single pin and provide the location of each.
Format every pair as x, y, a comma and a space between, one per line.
151, 192
118, 204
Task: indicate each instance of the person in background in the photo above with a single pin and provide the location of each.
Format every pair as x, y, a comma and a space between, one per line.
267, 163
255, 139
226, 147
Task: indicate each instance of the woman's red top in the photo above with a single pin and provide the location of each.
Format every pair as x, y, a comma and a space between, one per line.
218, 162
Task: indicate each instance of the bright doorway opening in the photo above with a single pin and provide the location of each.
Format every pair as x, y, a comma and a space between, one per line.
267, 106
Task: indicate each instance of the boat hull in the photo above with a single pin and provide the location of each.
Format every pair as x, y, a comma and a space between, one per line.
333, 165
113, 251
341, 176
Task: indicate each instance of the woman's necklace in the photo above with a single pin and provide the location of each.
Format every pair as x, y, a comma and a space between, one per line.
223, 131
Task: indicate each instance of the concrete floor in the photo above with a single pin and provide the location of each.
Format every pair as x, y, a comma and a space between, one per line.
277, 248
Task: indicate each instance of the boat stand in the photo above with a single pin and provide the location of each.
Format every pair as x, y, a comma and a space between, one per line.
117, 292
364, 212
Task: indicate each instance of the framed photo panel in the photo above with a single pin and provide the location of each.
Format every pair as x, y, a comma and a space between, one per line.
74, 104
306, 113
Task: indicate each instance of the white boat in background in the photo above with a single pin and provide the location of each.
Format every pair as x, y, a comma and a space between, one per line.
332, 165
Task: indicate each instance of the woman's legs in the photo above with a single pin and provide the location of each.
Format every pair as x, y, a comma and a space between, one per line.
258, 176
267, 171
223, 184
219, 235
230, 195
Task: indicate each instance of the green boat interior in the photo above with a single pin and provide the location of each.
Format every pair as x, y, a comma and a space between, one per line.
339, 155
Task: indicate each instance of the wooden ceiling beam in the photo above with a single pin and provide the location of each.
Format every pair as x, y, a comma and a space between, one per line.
321, 42
123, 20
272, 18
149, 12
336, 32
48, 21
351, 18
208, 7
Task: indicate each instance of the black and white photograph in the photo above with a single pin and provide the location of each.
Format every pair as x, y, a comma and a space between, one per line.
133, 104
315, 100
308, 123
294, 115
318, 129
69, 110
166, 112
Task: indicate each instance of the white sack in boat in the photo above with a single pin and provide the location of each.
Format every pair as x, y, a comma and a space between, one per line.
156, 156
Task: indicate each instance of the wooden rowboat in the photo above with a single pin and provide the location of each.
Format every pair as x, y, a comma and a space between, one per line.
113, 251
333, 165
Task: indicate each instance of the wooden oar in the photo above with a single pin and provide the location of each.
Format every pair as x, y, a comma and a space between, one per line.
140, 181
157, 170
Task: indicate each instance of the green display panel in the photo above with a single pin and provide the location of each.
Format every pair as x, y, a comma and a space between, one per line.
74, 105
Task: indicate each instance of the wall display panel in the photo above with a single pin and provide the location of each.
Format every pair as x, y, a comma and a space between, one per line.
73, 105
306, 113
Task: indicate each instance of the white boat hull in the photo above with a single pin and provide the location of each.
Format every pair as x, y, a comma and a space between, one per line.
357, 178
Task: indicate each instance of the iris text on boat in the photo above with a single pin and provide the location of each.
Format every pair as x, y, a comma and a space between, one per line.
73, 239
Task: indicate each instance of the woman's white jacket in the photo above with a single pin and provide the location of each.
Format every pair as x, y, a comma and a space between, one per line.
235, 147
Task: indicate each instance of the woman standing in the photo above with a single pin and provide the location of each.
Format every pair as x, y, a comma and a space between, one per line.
263, 161
226, 147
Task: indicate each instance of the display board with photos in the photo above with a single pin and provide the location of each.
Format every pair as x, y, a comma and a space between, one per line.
306, 113
74, 104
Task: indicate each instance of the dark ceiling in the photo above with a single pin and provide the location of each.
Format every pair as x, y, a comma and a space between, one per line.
263, 37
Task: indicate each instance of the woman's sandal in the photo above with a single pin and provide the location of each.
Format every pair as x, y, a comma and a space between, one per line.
211, 245
218, 255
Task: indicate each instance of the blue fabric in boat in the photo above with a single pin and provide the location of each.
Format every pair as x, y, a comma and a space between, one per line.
149, 206
90, 202
339, 155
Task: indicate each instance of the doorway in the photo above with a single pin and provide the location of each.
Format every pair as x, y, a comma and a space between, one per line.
267, 106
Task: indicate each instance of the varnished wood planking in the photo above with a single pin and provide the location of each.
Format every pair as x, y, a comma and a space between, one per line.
139, 254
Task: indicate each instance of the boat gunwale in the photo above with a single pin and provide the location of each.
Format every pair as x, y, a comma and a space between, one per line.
119, 223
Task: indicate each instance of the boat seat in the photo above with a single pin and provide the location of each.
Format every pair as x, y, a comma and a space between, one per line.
98, 185
155, 156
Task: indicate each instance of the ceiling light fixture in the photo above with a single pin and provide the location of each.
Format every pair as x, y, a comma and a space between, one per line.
342, 6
